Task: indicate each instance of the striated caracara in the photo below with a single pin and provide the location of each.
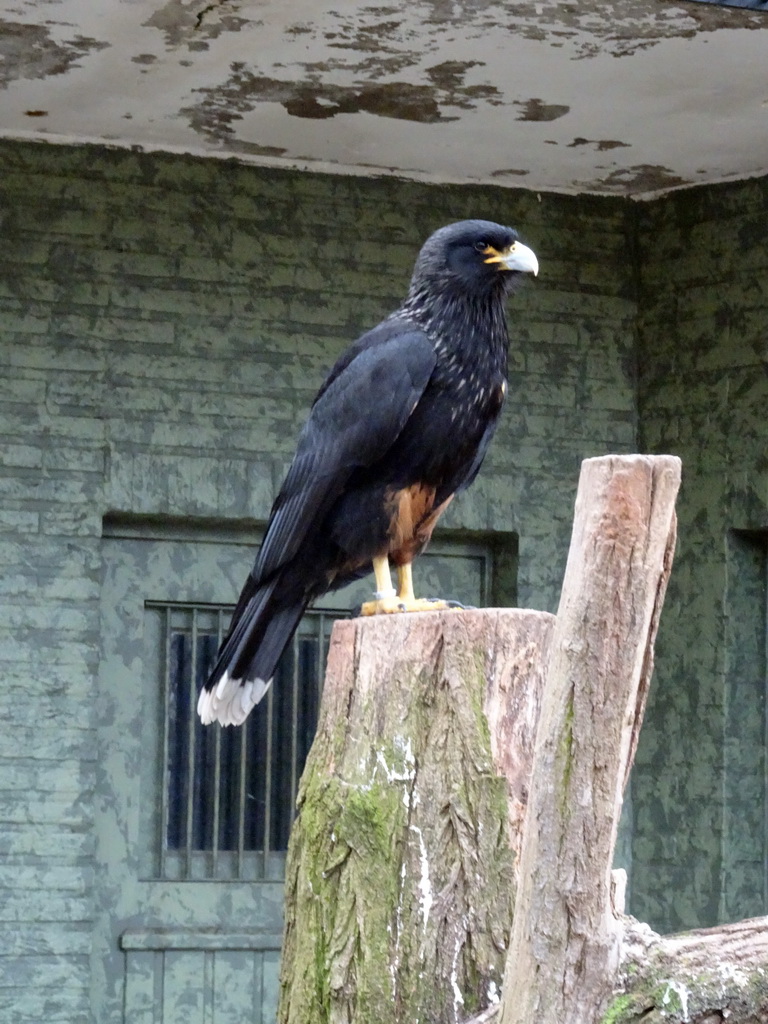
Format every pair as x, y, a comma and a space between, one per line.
401, 424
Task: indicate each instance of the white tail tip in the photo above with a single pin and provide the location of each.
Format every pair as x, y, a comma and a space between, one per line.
231, 700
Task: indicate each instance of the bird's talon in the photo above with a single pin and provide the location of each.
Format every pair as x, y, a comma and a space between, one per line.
382, 606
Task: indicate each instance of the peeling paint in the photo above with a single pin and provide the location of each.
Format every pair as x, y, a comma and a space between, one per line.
362, 38
226, 78
512, 172
536, 110
372, 66
190, 22
643, 178
600, 144
449, 76
29, 51
426, 103
621, 28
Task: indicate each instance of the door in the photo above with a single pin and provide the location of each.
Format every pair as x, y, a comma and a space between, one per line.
192, 823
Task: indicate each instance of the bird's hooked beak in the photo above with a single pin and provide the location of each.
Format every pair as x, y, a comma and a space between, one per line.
515, 257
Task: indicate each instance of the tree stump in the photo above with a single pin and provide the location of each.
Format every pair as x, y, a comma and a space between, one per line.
401, 872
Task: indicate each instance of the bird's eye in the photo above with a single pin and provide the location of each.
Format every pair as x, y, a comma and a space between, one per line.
481, 246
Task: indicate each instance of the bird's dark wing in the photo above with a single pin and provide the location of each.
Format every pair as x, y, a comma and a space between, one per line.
357, 416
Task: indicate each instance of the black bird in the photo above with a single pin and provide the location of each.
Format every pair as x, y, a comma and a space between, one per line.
402, 423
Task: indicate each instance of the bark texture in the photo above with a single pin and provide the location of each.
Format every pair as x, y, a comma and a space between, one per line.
698, 977
565, 945
707, 976
401, 872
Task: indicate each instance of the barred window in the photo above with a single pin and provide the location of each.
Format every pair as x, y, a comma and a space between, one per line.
217, 804
228, 794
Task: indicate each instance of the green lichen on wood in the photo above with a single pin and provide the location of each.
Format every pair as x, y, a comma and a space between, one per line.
617, 1012
668, 990
348, 837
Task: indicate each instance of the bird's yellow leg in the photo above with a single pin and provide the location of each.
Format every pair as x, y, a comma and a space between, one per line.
405, 583
385, 599
408, 600
388, 602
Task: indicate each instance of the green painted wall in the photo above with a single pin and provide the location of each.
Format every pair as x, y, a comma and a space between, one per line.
164, 323
699, 783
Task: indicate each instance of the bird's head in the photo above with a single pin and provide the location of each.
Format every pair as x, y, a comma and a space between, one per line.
477, 256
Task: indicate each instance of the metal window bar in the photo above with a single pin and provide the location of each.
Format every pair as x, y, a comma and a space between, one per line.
294, 728
217, 765
164, 812
241, 764
192, 781
268, 774
228, 795
765, 722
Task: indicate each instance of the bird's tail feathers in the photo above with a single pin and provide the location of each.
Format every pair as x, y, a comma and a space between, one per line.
248, 657
249, 614
231, 700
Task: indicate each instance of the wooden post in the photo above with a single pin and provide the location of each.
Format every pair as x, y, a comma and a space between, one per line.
401, 871
564, 951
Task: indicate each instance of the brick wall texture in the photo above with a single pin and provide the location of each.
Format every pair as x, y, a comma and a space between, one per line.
164, 323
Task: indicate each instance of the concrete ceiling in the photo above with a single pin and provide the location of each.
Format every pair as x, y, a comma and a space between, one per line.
631, 97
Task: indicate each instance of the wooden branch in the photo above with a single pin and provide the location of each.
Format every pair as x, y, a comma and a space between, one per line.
743, 942
401, 875
699, 977
564, 950
706, 976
